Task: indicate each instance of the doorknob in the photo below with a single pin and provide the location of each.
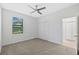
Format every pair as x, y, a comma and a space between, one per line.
75, 35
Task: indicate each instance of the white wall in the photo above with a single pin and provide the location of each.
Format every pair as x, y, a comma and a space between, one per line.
50, 26
29, 27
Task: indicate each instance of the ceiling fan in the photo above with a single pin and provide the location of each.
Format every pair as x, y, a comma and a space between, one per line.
36, 9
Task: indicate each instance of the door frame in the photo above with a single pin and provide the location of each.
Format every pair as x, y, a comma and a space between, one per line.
77, 29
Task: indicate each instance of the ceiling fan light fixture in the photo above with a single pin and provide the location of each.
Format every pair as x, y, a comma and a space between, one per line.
36, 9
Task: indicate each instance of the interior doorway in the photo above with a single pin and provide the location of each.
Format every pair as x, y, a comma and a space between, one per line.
70, 32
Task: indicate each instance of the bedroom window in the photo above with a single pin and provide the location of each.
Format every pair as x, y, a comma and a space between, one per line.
17, 25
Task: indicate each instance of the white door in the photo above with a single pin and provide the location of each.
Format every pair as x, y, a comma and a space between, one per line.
70, 32
75, 34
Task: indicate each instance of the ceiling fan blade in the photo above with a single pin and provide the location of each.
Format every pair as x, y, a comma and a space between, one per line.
42, 8
39, 12
36, 6
31, 7
33, 11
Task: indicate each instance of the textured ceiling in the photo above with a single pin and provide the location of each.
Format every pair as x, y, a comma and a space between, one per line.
23, 7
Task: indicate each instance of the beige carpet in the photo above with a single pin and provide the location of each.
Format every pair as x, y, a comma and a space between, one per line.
37, 47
